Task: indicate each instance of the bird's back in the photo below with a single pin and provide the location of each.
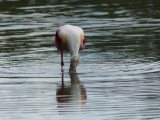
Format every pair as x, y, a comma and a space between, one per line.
71, 38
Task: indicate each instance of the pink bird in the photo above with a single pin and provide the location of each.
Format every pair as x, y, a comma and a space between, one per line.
71, 39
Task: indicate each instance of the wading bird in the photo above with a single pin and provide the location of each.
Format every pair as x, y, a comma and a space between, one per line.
71, 39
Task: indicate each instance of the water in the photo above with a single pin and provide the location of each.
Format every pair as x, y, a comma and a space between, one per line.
119, 71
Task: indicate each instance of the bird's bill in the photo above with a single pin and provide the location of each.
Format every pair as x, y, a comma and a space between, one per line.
73, 63
73, 66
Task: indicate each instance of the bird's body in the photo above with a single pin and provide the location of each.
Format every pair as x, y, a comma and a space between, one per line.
71, 39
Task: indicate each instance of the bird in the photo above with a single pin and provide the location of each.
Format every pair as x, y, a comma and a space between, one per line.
71, 39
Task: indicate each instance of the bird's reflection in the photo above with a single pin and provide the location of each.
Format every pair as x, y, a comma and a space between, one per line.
73, 92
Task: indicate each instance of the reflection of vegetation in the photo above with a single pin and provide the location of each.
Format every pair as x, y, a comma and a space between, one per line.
73, 92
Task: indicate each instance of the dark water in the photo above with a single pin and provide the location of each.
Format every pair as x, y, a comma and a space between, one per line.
119, 72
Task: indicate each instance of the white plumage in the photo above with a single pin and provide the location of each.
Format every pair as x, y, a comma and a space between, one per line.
70, 38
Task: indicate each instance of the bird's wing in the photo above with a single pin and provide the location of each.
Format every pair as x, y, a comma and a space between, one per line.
83, 42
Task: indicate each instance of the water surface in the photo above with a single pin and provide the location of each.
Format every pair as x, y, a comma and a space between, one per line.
118, 74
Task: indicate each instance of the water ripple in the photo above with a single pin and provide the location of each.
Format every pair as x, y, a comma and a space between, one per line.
118, 74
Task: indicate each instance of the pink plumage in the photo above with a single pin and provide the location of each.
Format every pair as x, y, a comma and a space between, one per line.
71, 39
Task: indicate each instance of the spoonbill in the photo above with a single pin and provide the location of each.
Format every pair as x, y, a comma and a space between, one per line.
70, 38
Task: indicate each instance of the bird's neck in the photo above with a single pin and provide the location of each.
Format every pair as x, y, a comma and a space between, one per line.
74, 57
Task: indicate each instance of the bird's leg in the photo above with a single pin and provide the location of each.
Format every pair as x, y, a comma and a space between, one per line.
62, 63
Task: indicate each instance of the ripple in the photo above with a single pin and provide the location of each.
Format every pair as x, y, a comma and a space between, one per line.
118, 74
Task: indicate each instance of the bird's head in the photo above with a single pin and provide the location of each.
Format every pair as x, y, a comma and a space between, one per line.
73, 63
